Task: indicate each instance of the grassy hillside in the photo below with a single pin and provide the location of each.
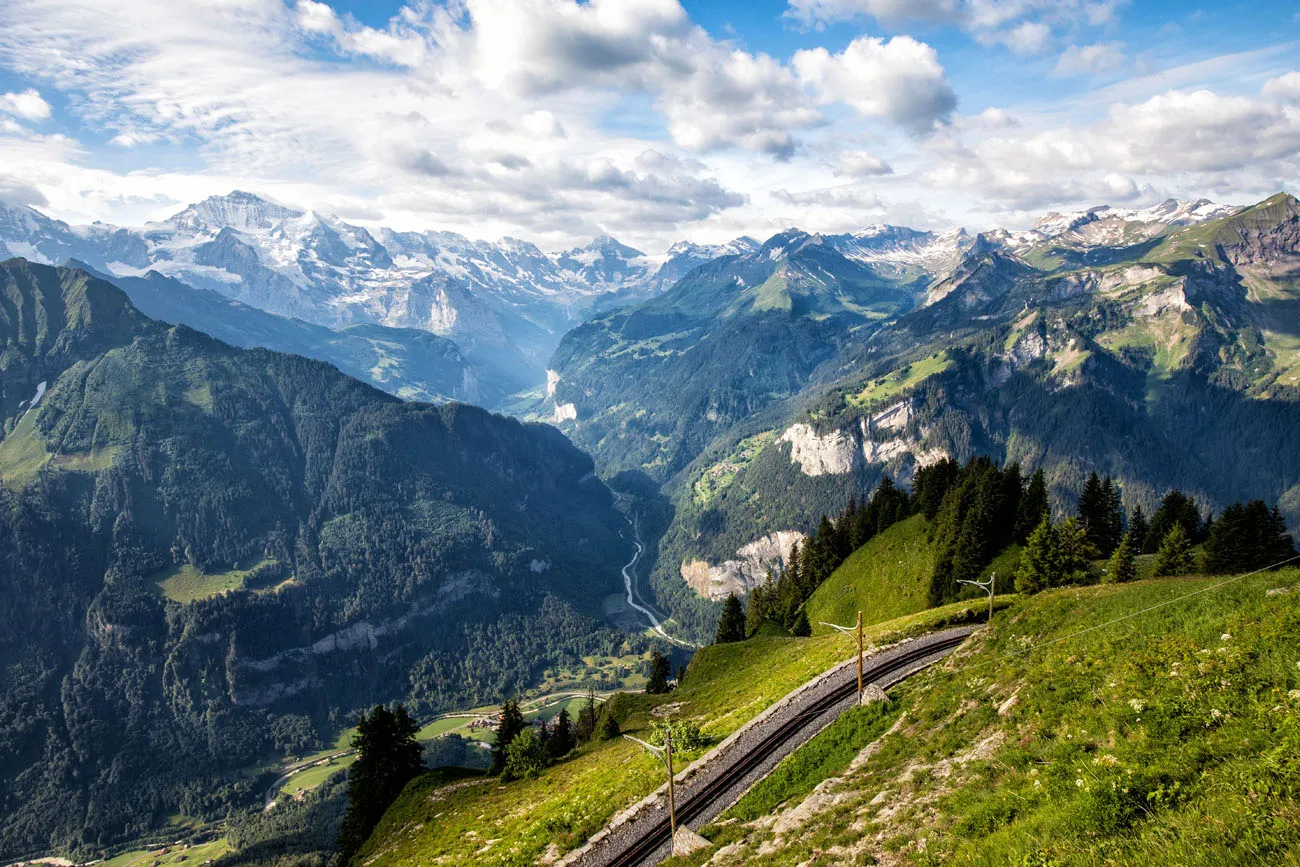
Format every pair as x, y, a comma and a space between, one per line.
1088, 727
487, 823
884, 579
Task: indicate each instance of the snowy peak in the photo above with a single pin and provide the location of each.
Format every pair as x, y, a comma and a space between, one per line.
240, 211
1170, 212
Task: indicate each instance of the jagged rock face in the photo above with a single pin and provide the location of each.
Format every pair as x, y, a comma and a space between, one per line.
879, 439
748, 570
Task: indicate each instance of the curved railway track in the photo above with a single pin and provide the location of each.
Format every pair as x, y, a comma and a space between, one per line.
693, 803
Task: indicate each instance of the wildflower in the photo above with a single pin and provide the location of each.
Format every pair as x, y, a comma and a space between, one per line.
1079, 782
1225, 637
1137, 704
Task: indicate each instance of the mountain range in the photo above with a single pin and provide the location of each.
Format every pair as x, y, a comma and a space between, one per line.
208, 554
505, 304
1159, 345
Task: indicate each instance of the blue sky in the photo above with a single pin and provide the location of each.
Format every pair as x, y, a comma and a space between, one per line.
650, 119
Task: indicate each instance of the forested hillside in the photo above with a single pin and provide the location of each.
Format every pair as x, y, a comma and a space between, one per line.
207, 554
1162, 355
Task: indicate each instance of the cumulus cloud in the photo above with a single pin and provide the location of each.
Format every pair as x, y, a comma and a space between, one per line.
28, 105
854, 197
1179, 133
1095, 59
1285, 88
860, 164
899, 79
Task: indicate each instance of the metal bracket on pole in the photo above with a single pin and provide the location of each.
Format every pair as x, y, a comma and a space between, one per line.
850, 630
986, 586
666, 753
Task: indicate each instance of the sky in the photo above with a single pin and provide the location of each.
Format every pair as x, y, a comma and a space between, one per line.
652, 120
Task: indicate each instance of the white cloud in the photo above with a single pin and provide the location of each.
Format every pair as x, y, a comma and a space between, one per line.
855, 198
1095, 59
28, 105
1285, 88
860, 164
1026, 39
900, 80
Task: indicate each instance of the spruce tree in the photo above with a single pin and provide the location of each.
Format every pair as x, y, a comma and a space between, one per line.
562, 739
1122, 567
608, 729
1033, 506
1039, 561
1175, 508
756, 610
801, 628
585, 729
731, 624
510, 724
1092, 508
657, 683
1175, 554
388, 757
1138, 529
1110, 531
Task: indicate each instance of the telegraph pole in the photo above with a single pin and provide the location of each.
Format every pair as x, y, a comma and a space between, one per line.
666, 753
986, 586
849, 630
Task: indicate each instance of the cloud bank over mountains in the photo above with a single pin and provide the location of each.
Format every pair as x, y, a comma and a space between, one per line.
558, 119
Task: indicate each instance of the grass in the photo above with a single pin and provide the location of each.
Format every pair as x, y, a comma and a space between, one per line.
1087, 727
886, 578
891, 385
22, 452
826, 755
197, 854
312, 777
720, 475
491, 824
185, 583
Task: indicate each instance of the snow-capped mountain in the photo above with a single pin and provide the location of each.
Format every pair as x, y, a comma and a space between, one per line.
507, 302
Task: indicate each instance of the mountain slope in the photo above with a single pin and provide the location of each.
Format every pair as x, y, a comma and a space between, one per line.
204, 546
1063, 737
407, 362
1163, 350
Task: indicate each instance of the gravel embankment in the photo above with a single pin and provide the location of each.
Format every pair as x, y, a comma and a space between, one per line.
633, 823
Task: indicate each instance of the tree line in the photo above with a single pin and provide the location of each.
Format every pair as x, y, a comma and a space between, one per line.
977, 510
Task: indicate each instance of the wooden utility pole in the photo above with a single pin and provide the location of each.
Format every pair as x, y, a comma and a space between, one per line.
859, 657
672, 801
849, 630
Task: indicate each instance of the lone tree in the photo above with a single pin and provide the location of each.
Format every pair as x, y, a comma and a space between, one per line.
1175, 554
563, 739
1122, 567
525, 756
608, 729
388, 757
731, 625
585, 729
659, 671
511, 724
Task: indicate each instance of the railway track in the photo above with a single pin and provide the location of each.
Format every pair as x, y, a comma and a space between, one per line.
693, 803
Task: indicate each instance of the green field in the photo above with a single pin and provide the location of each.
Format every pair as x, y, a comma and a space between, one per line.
491, 824
891, 385
185, 583
315, 775
1112, 724
885, 578
191, 857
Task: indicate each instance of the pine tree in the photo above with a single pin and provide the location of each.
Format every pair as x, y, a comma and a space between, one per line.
1245, 538
657, 683
1111, 530
1039, 560
1075, 553
562, 739
510, 724
756, 610
1122, 567
388, 757
608, 729
1175, 554
1092, 507
801, 628
1033, 506
585, 729
1175, 508
1138, 529
731, 624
